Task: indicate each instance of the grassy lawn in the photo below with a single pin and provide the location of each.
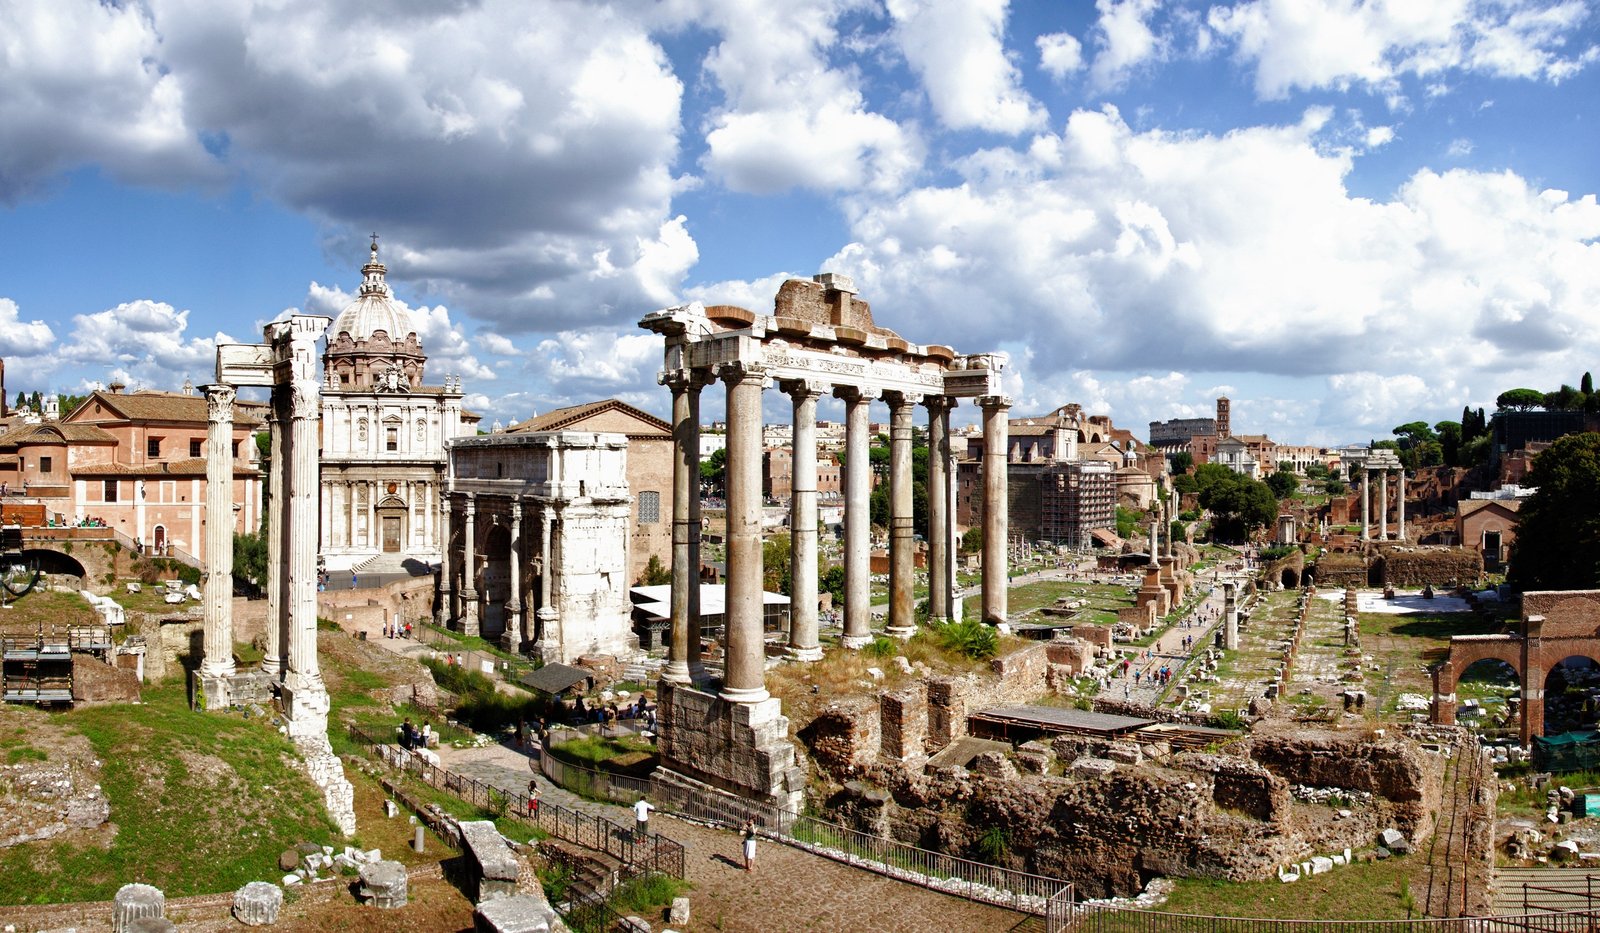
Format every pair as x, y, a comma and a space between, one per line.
1373, 891
53, 609
623, 754
1405, 646
201, 803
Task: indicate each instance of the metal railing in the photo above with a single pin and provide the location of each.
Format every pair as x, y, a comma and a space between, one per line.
1105, 920
1571, 895
589, 782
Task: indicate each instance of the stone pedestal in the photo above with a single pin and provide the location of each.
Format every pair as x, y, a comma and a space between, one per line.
740, 748
1152, 593
238, 689
257, 904
519, 913
383, 884
133, 902
494, 867
1230, 617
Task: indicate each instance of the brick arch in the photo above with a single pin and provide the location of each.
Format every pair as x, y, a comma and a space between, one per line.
1466, 651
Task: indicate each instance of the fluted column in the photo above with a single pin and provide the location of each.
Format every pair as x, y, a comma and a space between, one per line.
803, 641
744, 673
1383, 507
277, 538
549, 643
1366, 499
938, 514
218, 635
996, 526
1401, 519
684, 637
469, 568
902, 536
512, 637
446, 567
857, 517
303, 681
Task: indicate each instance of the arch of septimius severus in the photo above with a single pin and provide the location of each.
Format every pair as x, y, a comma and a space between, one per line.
820, 339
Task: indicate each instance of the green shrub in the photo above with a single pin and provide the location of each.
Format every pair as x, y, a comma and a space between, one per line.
969, 637
646, 894
994, 846
881, 647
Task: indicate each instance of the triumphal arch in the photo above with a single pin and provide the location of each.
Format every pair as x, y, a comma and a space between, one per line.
819, 339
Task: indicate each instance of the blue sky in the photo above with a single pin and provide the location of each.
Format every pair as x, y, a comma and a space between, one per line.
1344, 215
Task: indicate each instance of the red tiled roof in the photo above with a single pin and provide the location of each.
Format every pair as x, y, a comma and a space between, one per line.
161, 406
565, 417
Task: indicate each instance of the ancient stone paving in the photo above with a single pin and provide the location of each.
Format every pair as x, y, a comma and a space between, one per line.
1244, 673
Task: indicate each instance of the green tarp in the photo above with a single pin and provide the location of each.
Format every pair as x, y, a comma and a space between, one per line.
1567, 752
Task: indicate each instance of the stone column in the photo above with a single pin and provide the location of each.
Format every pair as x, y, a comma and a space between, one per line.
902, 536
277, 539
446, 567
1400, 520
857, 516
744, 631
1366, 500
1383, 507
306, 695
1230, 616
685, 493
469, 568
549, 646
513, 636
218, 644
1155, 539
938, 514
804, 644
995, 522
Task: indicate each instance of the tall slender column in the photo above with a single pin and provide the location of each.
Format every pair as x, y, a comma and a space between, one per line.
902, 536
995, 520
512, 638
685, 494
469, 568
277, 537
218, 636
803, 642
1383, 507
549, 643
1366, 499
951, 543
697, 668
307, 696
446, 570
857, 516
938, 516
744, 674
1401, 520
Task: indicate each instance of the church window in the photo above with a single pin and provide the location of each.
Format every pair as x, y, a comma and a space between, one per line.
391, 438
110, 491
45, 464
152, 447
649, 508
194, 447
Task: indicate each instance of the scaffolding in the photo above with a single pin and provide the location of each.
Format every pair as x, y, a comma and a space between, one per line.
1076, 498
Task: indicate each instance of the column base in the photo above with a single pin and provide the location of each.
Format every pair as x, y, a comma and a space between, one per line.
856, 642
813, 653
735, 748
744, 694
218, 671
1001, 626
677, 672
904, 634
234, 689
306, 705
272, 667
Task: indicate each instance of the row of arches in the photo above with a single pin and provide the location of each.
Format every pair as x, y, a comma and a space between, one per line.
1562, 697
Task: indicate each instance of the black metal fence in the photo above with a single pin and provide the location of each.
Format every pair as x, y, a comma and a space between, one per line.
1093, 920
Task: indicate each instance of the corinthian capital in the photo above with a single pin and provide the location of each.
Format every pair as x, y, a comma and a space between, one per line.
219, 402
303, 400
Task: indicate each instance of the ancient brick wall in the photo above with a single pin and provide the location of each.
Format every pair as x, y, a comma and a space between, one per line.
844, 736
94, 681
1416, 566
947, 711
904, 722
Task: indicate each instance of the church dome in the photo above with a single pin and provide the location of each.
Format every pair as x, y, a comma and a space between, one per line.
374, 308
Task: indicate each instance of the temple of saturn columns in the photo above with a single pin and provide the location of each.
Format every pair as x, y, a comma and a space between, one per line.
286, 364
819, 339
1383, 462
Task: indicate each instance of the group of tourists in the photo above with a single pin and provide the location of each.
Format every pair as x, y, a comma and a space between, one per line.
396, 629
411, 737
609, 713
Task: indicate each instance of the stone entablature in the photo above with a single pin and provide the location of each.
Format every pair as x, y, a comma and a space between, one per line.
538, 543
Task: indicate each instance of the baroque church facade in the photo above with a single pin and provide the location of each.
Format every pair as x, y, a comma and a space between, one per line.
384, 434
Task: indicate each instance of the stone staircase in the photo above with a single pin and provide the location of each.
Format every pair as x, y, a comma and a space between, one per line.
644, 671
384, 563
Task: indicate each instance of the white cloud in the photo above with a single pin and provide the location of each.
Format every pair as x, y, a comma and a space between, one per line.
582, 363
19, 337
957, 48
143, 343
1459, 149
1300, 46
1124, 40
498, 345
1060, 54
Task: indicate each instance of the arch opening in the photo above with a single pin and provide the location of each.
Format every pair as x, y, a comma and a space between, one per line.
1488, 695
1572, 696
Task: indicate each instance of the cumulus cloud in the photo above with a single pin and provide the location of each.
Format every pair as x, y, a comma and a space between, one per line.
19, 337
142, 343
1300, 46
1060, 54
1124, 40
957, 48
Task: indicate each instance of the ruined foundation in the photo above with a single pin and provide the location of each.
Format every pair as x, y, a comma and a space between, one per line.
737, 748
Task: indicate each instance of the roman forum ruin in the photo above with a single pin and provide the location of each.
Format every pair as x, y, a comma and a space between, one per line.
819, 339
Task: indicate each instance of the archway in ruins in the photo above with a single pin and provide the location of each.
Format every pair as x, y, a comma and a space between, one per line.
1490, 682
496, 580
1290, 578
1571, 689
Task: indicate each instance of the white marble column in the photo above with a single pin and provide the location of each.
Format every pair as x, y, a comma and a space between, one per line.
218, 634
996, 526
1383, 507
938, 515
303, 687
744, 636
1366, 510
1401, 519
902, 536
446, 567
803, 641
857, 516
549, 641
469, 567
684, 638
272, 661
513, 637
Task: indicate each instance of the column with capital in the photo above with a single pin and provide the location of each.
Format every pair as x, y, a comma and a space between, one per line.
683, 643
446, 567
303, 684
1383, 506
744, 626
218, 634
1366, 499
548, 645
803, 642
469, 568
938, 512
857, 515
512, 639
995, 518
1400, 520
902, 536
277, 539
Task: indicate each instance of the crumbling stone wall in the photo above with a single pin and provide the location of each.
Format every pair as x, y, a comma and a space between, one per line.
904, 724
947, 711
1341, 569
94, 681
1412, 566
1243, 785
1394, 769
844, 738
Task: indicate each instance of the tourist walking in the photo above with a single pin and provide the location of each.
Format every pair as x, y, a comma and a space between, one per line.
533, 799
641, 819
749, 845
